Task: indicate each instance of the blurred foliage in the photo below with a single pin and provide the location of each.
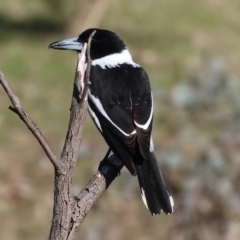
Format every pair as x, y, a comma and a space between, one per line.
191, 52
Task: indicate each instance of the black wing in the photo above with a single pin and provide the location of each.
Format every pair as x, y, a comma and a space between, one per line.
120, 103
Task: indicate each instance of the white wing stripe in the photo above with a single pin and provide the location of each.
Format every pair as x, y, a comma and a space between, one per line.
94, 117
146, 125
102, 111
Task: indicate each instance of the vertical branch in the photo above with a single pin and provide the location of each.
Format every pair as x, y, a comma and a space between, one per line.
63, 200
69, 211
62, 211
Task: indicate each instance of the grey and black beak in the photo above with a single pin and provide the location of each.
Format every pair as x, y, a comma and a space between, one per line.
67, 44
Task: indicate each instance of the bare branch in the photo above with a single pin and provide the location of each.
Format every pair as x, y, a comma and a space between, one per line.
62, 210
63, 200
69, 211
89, 195
18, 109
89, 62
79, 75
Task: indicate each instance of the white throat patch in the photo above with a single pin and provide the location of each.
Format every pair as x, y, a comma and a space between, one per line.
114, 60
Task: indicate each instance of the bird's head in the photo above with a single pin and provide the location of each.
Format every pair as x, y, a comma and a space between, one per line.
103, 43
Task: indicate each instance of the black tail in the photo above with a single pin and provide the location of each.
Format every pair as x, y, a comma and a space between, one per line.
153, 189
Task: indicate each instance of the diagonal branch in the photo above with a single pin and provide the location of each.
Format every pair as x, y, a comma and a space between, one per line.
69, 211
89, 195
19, 110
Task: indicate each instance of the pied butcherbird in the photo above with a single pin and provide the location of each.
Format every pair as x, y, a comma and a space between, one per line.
121, 106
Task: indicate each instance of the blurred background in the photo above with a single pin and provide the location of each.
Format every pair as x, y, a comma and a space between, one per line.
191, 52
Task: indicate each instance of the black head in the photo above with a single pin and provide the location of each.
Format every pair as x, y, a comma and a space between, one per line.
103, 43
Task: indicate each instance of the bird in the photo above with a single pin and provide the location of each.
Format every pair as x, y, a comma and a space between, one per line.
120, 102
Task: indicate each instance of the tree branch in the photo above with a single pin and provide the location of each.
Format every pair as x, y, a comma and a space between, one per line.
69, 211
89, 195
18, 109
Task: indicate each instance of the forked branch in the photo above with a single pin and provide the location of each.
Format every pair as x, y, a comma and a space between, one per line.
69, 211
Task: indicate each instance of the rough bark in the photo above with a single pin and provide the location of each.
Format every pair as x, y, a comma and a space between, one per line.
69, 211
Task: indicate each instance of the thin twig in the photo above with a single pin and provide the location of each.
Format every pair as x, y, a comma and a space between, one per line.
80, 69
88, 70
18, 109
69, 211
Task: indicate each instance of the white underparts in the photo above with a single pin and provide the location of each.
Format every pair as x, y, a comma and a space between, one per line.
114, 60
99, 106
94, 117
146, 125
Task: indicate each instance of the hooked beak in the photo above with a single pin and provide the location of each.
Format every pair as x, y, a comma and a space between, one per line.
67, 44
